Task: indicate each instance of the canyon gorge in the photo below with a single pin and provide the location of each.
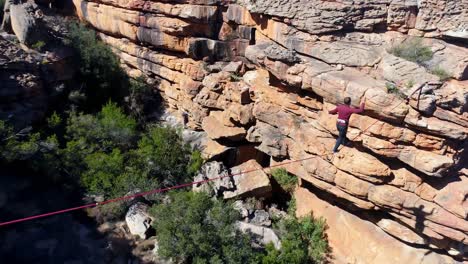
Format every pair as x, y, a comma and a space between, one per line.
256, 78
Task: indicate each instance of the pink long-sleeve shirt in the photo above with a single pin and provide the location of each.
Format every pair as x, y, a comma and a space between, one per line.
345, 111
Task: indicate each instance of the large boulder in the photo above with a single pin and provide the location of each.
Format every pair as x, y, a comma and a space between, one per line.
138, 220
215, 129
214, 179
261, 217
25, 22
261, 234
250, 180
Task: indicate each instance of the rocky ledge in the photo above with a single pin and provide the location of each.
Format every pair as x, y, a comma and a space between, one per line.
31, 78
258, 77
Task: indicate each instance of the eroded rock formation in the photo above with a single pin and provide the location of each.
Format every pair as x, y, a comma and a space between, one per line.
297, 59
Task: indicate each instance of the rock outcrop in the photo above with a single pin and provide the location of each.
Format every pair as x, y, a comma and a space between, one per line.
245, 180
356, 241
25, 20
138, 220
30, 79
262, 234
295, 60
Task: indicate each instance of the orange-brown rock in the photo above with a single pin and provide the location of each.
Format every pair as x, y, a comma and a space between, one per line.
362, 165
388, 196
250, 181
352, 185
354, 240
196, 12
453, 197
400, 232
215, 129
193, 69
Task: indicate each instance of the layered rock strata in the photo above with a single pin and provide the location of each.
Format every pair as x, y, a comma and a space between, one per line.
295, 60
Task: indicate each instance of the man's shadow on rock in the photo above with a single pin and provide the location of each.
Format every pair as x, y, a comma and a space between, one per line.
420, 215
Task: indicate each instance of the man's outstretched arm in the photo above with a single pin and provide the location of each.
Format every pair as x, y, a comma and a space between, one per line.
361, 108
334, 111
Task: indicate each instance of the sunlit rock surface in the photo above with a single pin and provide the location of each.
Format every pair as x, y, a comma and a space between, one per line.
297, 59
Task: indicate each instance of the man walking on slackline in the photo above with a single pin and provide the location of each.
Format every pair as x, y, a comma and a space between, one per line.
344, 113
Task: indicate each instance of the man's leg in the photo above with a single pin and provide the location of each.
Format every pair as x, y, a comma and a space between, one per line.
345, 139
341, 136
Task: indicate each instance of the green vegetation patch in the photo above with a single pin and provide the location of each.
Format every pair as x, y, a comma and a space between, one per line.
302, 241
286, 180
441, 73
412, 50
100, 73
38, 45
193, 228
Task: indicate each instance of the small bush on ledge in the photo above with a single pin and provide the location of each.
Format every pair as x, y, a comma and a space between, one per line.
302, 241
412, 50
394, 89
391, 88
441, 73
38, 45
285, 180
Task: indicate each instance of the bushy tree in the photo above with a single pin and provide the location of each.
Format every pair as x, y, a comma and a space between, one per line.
110, 128
193, 228
100, 71
161, 151
302, 241
287, 181
101, 151
86, 134
142, 99
102, 171
17, 145
196, 162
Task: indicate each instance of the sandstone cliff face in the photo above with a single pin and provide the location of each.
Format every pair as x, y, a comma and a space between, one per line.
294, 60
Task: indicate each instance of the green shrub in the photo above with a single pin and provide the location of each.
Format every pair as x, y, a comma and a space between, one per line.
287, 181
102, 171
162, 152
86, 134
441, 73
392, 88
142, 99
292, 207
38, 45
302, 241
17, 145
110, 128
100, 71
54, 120
412, 50
23, 149
101, 151
196, 162
193, 228
236, 77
